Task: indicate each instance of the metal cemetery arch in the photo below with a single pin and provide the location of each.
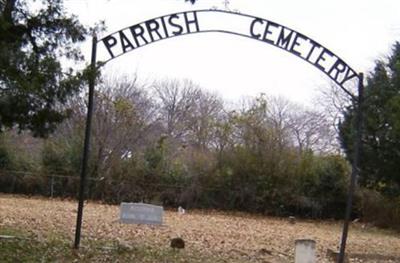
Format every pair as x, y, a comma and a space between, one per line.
212, 21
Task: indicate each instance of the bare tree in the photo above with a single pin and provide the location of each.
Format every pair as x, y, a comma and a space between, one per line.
175, 100
332, 101
122, 124
279, 111
311, 130
287, 125
207, 111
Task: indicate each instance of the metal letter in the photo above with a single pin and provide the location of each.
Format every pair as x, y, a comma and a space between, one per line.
283, 41
171, 22
125, 43
151, 29
136, 34
194, 21
257, 20
321, 57
268, 32
109, 42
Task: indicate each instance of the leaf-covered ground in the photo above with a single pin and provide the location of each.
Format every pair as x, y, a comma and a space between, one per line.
48, 225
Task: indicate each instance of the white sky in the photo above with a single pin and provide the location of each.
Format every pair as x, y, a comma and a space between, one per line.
358, 31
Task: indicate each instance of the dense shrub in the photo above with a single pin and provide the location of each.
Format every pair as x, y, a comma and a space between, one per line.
240, 178
323, 186
380, 210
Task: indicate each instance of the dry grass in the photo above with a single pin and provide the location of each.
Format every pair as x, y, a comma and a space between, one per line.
228, 237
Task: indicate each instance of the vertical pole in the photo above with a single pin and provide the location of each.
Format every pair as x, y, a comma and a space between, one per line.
85, 158
355, 169
52, 186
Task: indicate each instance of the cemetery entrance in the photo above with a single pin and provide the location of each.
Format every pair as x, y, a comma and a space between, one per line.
215, 21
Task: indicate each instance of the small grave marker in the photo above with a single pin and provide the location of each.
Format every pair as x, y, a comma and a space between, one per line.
305, 251
140, 213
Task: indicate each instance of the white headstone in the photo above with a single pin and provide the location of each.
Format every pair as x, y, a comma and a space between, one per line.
181, 211
140, 213
305, 251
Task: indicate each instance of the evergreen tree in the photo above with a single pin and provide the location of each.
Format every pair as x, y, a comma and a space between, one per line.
380, 153
35, 36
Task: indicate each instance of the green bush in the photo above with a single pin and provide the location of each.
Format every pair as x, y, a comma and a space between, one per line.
380, 210
322, 187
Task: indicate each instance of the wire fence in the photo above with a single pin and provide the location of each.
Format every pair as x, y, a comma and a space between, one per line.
10, 179
253, 195
53, 176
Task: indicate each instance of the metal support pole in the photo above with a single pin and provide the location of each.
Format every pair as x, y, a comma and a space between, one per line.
52, 186
355, 169
85, 158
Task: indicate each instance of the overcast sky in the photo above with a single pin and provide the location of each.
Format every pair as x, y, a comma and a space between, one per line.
359, 31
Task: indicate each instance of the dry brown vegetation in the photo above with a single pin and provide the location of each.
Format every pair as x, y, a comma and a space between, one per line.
228, 237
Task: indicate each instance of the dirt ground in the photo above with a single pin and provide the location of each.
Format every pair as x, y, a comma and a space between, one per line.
235, 237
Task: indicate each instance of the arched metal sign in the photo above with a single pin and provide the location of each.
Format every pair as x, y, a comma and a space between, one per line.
215, 21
